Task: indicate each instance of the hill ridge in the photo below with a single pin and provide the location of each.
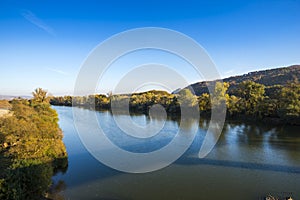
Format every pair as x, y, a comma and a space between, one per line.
270, 77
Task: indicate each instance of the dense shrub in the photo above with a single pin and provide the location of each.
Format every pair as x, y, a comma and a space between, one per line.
31, 148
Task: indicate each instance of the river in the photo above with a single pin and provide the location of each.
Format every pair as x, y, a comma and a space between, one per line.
249, 161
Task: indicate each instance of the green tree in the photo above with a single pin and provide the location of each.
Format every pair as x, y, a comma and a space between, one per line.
270, 107
252, 95
290, 101
233, 105
31, 148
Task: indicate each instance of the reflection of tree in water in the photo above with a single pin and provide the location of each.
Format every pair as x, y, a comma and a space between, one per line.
188, 124
250, 134
286, 138
258, 135
254, 134
30, 181
204, 123
56, 189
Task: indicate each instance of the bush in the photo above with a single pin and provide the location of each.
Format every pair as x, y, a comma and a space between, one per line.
31, 149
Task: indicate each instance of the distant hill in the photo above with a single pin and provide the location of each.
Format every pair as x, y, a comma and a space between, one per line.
270, 78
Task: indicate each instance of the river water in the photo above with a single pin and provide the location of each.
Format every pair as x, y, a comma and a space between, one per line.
249, 161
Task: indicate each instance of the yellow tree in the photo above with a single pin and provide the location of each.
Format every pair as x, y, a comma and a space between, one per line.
219, 95
187, 99
252, 95
204, 102
290, 100
40, 96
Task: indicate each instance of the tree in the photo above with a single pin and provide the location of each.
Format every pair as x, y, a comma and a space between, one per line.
252, 95
270, 107
204, 102
187, 99
31, 147
40, 96
233, 105
219, 95
290, 101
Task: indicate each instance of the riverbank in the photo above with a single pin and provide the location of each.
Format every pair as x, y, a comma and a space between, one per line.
31, 149
249, 101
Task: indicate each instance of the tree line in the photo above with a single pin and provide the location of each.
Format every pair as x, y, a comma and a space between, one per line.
247, 100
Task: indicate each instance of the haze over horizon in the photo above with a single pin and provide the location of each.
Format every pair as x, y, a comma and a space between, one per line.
43, 44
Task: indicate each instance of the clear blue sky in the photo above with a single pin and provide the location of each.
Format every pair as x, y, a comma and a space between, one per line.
43, 43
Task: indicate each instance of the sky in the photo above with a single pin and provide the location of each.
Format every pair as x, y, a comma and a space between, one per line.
43, 43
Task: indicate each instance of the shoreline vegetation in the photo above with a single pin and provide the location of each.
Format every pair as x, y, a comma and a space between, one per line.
248, 101
31, 148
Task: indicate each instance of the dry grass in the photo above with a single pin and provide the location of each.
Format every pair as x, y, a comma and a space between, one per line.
5, 107
4, 113
4, 104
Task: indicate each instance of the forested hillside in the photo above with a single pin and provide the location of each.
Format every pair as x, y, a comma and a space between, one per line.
272, 79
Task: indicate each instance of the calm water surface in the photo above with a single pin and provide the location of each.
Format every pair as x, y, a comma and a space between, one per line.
248, 162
